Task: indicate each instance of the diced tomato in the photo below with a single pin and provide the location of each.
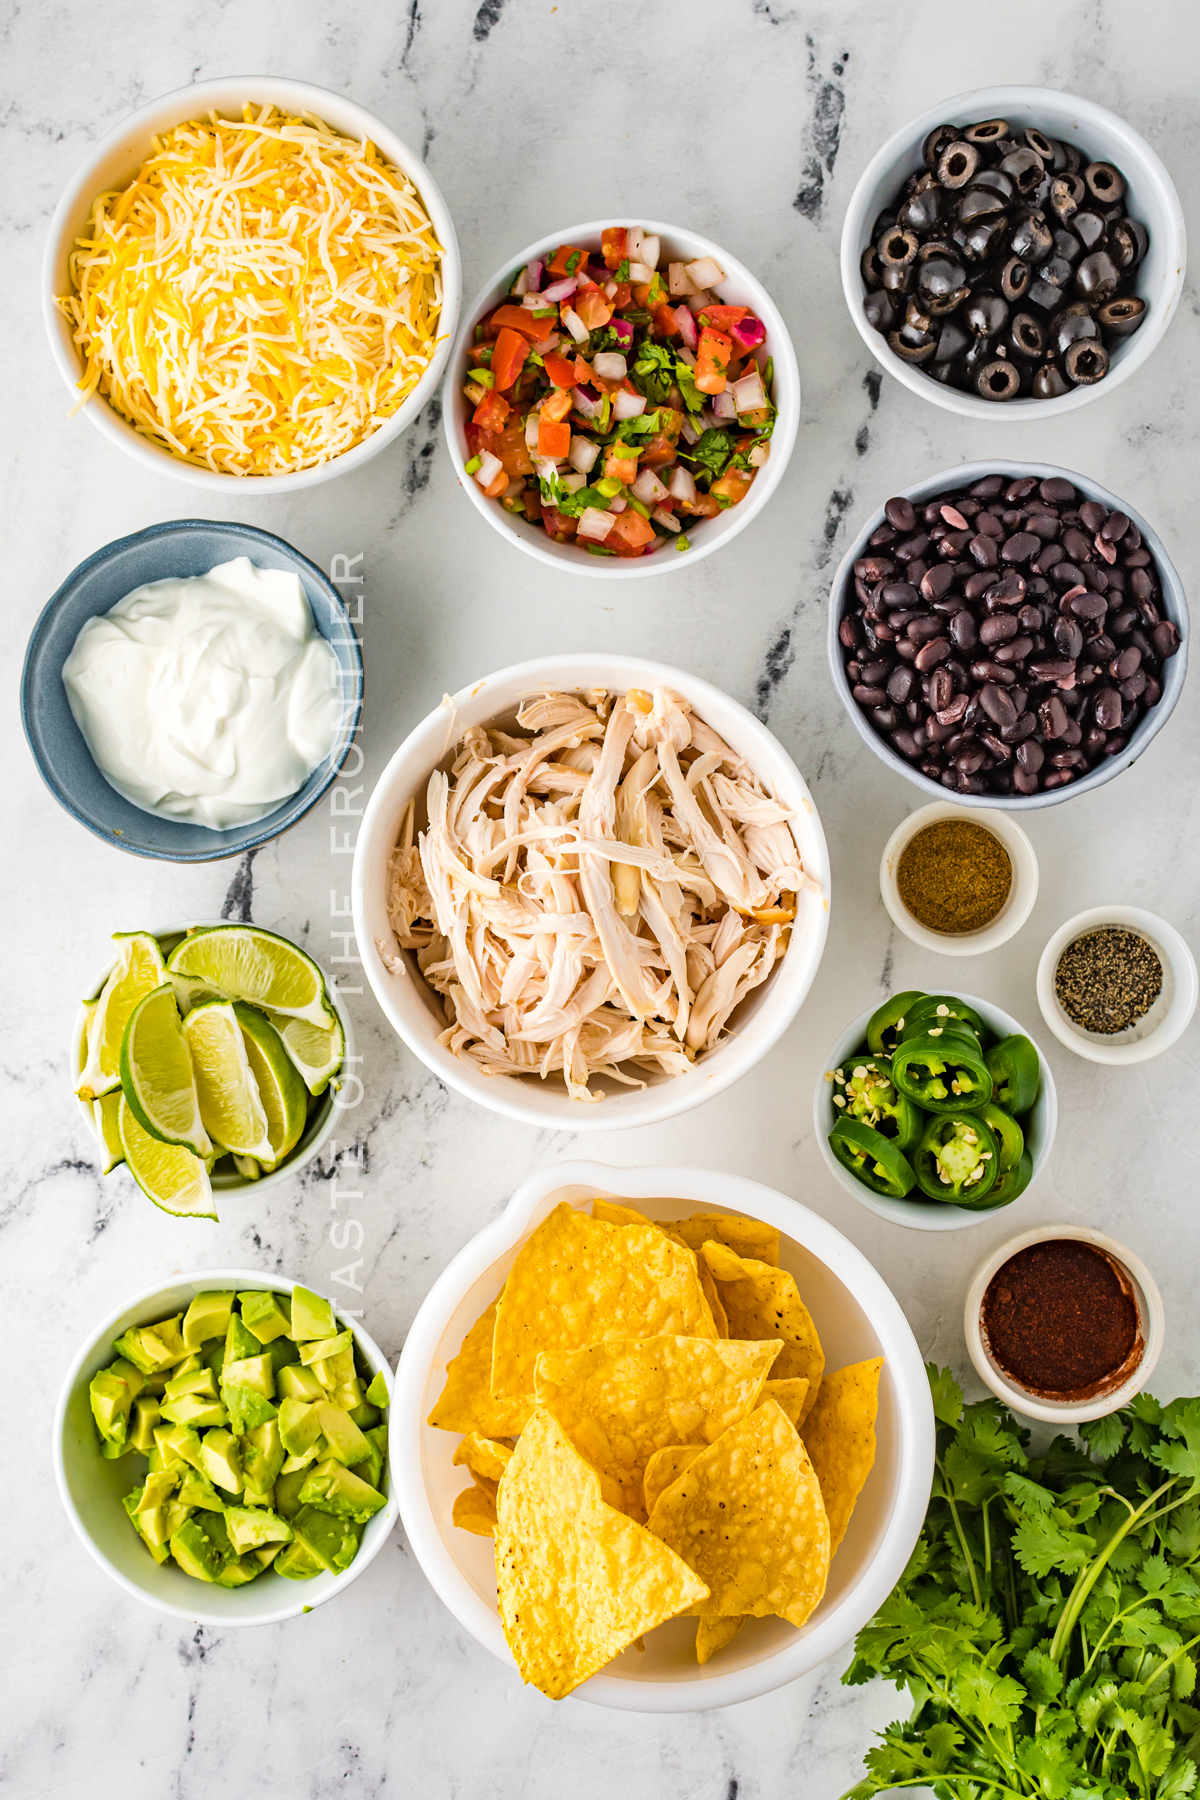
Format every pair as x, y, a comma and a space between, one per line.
665, 322
557, 406
495, 488
631, 533
620, 461
492, 411
560, 369
554, 440
583, 372
663, 447
623, 296
733, 485
562, 256
509, 445
558, 525
592, 308
759, 416
712, 360
704, 505
508, 358
473, 435
533, 504
649, 293
612, 245
518, 318
722, 317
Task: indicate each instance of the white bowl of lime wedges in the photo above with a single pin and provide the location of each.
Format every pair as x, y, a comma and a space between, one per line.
235, 1082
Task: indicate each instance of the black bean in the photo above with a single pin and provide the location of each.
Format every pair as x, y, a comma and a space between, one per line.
924, 627
1134, 686
997, 704
1106, 708
1030, 756
1024, 783
953, 713
1052, 669
1053, 717
1015, 651
900, 513
1165, 638
885, 718
869, 696
964, 634
906, 744
1125, 663
998, 628
939, 688
993, 671
932, 653
900, 685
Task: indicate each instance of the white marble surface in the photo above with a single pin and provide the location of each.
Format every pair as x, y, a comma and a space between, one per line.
534, 115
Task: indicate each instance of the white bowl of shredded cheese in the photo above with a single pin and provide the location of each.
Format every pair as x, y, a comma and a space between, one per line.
268, 298
545, 990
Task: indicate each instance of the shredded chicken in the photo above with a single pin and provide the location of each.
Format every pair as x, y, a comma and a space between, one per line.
597, 896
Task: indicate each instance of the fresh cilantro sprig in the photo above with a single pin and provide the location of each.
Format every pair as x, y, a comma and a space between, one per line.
1048, 1623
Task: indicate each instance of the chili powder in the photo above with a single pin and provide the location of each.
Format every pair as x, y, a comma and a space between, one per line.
1061, 1319
954, 876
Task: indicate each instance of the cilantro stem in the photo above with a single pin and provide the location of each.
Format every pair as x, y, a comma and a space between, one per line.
966, 1552
1088, 1577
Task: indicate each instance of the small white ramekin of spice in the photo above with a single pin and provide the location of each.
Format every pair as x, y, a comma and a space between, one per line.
1117, 984
958, 880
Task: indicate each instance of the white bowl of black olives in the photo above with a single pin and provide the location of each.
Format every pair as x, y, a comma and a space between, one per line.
1013, 250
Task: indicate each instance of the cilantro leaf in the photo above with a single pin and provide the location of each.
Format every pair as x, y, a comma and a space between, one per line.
1103, 1437
946, 1393
710, 453
685, 381
571, 505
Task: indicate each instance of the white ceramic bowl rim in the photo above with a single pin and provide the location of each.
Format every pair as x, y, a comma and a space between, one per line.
321, 1122
701, 535
931, 1215
823, 1636
97, 1352
180, 104
1021, 895
1066, 1412
1168, 943
1148, 727
1105, 135
780, 997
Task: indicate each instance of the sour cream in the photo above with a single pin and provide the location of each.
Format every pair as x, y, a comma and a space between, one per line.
207, 698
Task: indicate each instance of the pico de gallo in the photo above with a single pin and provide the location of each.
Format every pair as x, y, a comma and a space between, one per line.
614, 401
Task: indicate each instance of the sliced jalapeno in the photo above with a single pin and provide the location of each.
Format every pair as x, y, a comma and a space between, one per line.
941, 1010
887, 1021
958, 1157
1016, 1074
871, 1158
946, 1073
871, 1097
1010, 1139
1005, 1189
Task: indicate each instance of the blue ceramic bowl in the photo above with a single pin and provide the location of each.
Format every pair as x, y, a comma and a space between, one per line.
178, 547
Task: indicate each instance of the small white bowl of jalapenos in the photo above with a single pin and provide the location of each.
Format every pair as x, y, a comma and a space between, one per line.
935, 1110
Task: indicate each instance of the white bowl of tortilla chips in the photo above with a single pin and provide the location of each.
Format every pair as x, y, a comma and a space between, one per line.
635, 1473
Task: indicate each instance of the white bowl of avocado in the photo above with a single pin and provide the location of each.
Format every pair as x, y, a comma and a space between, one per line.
220, 1447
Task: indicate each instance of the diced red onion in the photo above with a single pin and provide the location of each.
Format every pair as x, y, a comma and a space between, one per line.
618, 503
587, 401
648, 488
688, 431
748, 393
559, 290
515, 486
759, 455
546, 467
681, 484
641, 272
596, 525
723, 405
531, 301
649, 252
709, 420
610, 365
545, 345
576, 326
628, 406
583, 453
521, 284
533, 276
610, 289
697, 302
749, 332
704, 272
685, 355
665, 519
489, 467
574, 481
623, 330
634, 236
687, 328
678, 281
532, 424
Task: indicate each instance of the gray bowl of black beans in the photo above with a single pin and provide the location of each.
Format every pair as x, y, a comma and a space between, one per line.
1010, 632
1013, 251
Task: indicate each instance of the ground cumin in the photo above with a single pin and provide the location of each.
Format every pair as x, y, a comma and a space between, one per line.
1061, 1319
954, 876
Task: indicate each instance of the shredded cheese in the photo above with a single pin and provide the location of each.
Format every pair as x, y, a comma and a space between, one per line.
260, 298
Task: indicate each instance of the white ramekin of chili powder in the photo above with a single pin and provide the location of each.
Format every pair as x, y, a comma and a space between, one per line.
1064, 1324
957, 879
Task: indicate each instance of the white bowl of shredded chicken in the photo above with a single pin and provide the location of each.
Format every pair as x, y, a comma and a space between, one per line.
251, 280
591, 891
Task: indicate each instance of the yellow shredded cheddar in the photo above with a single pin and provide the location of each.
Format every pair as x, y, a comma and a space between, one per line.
260, 298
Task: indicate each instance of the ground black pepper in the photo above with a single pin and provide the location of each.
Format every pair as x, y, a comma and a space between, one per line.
1108, 979
954, 876
1061, 1319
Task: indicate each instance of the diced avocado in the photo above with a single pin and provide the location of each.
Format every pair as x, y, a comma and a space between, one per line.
266, 1314
215, 1358
283, 1353
219, 1460
162, 1524
153, 1347
363, 1415
207, 1317
239, 1342
237, 1574
321, 1349
252, 1372
201, 1383
193, 1360
265, 1554
315, 1453
333, 1541
250, 1528
370, 1469
345, 1391
332, 1488
297, 1563
159, 1552
177, 1446
312, 1317
156, 1489
156, 1384
194, 1410
297, 1383
262, 1459
196, 1489
299, 1425
195, 1550
246, 1406
112, 1392
346, 1442
287, 1493
378, 1394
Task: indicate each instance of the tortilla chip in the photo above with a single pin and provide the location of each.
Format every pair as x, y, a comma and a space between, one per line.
713, 1634
839, 1436
613, 1214
620, 1402
578, 1581
578, 1281
484, 1456
762, 1301
664, 1468
746, 1237
748, 1517
475, 1510
466, 1402
791, 1395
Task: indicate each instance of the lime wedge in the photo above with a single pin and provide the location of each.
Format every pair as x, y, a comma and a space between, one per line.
281, 1090
248, 1167
243, 962
139, 968
317, 1053
230, 1108
104, 1118
169, 1175
156, 1074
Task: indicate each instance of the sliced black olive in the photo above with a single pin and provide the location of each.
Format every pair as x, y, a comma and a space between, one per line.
986, 131
1067, 245
1015, 278
869, 268
1066, 196
897, 249
880, 309
1073, 325
981, 240
1074, 160
939, 276
949, 303
897, 278
952, 342
1024, 169
1056, 269
978, 203
1097, 277
956, 165
1088, 227
1086, 362
985, 315
1027, 336
916, 319
939, 138
1032, 239
883, 223
1121, 318
923, 211
1129, 240
950, 374
1040, 144
1049, 383
995, 182
1105, 182
1045, 294
998, 380
911, 353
